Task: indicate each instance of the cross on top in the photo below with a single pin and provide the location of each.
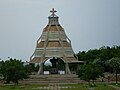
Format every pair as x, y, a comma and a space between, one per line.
53, 11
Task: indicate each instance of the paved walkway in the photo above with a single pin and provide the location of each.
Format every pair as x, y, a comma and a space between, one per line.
53, 86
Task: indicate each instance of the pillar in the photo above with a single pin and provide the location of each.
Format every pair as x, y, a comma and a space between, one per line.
67, 70
41, 71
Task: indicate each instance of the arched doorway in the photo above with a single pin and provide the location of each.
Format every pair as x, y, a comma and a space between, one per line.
54, 66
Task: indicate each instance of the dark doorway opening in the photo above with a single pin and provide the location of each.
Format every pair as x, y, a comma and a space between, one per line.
54, 66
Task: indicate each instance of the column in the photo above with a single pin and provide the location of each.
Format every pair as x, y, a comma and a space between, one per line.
67, 70
41, 71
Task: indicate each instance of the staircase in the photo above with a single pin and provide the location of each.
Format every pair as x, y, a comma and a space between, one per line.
47, 79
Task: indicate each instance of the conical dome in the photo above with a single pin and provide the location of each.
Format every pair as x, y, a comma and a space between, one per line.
53, 43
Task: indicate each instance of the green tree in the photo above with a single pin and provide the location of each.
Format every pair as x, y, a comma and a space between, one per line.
37, 68
115, 64
31, 67
47, 67
60, 64
89, 72
13, 70
103, 55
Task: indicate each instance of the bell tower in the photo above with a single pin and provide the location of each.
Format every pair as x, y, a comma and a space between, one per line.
53, 43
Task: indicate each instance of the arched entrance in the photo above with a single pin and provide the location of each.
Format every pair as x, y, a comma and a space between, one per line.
54, 66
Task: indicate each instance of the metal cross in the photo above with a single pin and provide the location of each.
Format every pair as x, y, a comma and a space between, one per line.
53, 11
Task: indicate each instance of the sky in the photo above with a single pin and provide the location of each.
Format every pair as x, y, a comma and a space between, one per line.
89, 24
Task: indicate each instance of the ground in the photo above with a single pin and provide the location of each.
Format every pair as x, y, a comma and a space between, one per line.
60, 87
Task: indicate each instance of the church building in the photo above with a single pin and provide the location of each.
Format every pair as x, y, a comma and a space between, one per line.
54, 44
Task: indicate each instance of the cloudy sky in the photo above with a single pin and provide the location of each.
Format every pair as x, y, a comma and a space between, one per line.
89, 24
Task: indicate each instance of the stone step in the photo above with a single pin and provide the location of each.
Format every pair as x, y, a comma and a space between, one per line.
52, 79
55, 79
46, 82
54, 76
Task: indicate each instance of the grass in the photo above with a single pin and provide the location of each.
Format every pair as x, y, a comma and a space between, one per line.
63, 87
116, 84
86, 87
22, 87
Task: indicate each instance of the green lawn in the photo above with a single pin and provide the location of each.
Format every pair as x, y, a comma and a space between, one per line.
63, 87
86, 87
116, 85
22, 87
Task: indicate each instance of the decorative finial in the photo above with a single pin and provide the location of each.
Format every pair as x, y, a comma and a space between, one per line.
53, 11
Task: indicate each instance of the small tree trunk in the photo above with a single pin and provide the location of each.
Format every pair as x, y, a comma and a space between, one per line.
89, 82
93, 83
7, 82
16, 82
116, 76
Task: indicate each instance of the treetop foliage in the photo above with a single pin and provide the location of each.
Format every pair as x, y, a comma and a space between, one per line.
103, 53
90, 71
15, 70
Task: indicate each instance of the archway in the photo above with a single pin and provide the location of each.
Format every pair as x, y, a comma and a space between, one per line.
54, 66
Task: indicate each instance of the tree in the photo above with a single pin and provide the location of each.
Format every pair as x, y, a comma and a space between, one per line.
60, 64
89, 72
13, 70
103, 54
37, 68
115, 64
47, 67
